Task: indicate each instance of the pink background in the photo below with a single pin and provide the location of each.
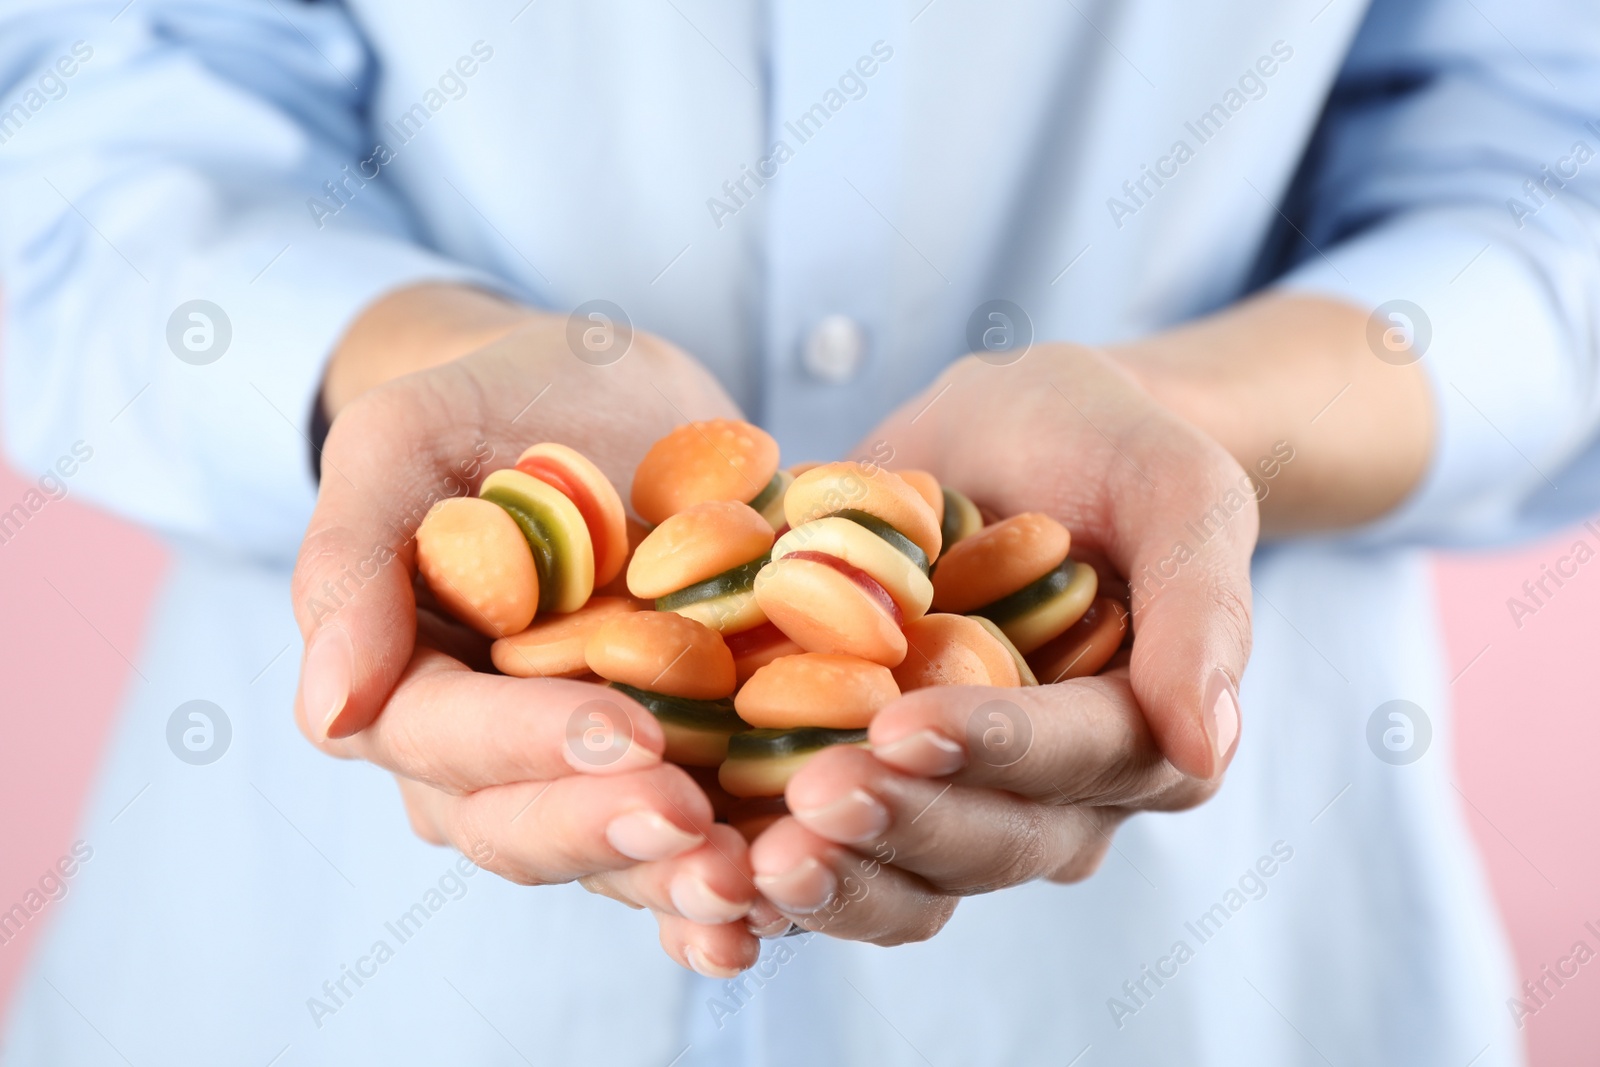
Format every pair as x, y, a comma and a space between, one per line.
1525, 761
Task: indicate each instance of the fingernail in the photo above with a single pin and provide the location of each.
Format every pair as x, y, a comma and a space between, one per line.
705, 967
698, 902
766, 922
925, 753
853, 818
802, 889
645, 835
1221, 715
325, 677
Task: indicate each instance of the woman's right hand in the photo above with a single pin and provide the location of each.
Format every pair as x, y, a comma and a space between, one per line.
500, 767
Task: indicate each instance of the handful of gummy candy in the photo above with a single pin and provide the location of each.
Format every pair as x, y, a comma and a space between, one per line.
760, 614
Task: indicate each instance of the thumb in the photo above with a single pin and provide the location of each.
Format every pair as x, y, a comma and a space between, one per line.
1191, 596
352, 583
357, 614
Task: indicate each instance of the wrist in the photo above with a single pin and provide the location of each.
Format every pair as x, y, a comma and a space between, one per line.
1288, 374
1184, 372
412, 329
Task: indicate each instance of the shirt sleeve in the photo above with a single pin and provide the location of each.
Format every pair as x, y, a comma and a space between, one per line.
1453, 190
191, 213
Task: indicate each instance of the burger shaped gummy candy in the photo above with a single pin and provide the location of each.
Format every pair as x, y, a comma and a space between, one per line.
567, 528
702, 562
1084, 647
592, 494
800, 705
722, 459
477, 563
957, 516
959, 519
677, 668
854, 566
553, 647
754, 649
1017, 575
959, 650
761, 615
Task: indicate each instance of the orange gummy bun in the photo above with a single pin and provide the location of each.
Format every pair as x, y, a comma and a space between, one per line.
814, 689
722, 459
998, 560
662, 652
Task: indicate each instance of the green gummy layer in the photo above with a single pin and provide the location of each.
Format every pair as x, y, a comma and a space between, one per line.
736, 580
775, 744
954, 513
538, 537
766, 496
698, 714
1029, 596
898, 540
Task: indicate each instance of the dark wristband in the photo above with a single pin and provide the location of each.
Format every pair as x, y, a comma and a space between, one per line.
319, 435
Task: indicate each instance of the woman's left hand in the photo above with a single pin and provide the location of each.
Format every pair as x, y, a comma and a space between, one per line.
967, 790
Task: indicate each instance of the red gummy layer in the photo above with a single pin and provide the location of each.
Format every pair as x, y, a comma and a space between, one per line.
570, 486
753, 640
865, 581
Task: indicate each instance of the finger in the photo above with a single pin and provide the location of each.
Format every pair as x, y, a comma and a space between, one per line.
1083, 741
713, 951
962, 840
826, 888
712, 885
462, 731
1191, 603
766, 921
544, 833
351, 586
421, 809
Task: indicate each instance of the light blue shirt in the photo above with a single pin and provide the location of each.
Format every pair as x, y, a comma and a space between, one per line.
733, 176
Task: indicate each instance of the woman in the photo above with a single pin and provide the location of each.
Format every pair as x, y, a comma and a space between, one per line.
1227, 268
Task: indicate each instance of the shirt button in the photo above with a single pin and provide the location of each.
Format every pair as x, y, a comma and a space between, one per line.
834, 349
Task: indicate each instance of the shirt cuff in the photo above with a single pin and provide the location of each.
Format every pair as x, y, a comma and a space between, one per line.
1455, 290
